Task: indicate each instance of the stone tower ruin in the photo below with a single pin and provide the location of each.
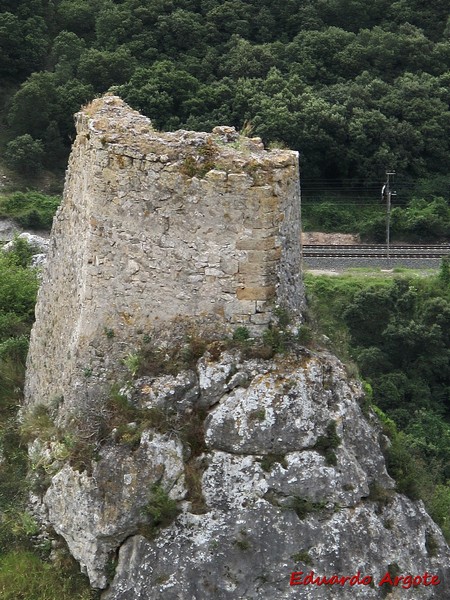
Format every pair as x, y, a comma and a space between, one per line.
156, 227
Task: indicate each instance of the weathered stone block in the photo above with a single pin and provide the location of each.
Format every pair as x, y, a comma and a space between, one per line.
240, 181
216, 175
261, 193
256, 293
234, 305
256, 244
256, 268
264, 279
261, 318
262, 306
258, 256
261, 220
230, 266
240, 319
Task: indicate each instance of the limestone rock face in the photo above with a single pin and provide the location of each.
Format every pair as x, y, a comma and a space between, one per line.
95, 513
274, 503
281, 490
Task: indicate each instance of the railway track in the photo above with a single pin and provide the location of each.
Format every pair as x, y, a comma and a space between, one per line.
373, 251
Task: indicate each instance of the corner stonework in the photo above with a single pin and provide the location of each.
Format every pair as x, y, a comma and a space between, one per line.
156, 227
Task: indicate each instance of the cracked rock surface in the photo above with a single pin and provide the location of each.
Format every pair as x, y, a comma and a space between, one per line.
96, 513
274, 501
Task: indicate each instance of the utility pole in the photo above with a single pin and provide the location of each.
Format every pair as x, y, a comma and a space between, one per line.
386, 195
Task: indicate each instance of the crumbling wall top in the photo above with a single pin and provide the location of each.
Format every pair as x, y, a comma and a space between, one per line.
109, 120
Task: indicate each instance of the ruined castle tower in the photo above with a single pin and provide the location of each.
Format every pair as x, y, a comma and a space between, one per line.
155, 227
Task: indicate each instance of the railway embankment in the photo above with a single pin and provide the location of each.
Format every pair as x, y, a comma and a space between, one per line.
339, 257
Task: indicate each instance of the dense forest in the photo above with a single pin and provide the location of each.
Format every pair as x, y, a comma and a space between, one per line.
356, 87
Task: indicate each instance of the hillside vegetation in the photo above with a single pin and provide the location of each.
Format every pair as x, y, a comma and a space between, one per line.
397, 333
24, 571
354, 86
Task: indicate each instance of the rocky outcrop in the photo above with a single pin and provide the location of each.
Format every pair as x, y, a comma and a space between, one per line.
95, 513
290, 478
38, 244
8, 229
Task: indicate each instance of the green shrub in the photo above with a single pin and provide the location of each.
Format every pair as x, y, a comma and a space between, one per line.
431, 545
161, 508
378, 493
13, 468
25, 524
305, 335
24, 154
132, 361
275, 339
21, 253
404, 467
326, 444
269, 460
109, 332
197, 165
120, 410
11, 325
15, 348
389, 426
242, 542
439, 507
38, 423
31, 209
241, 334
444, 271
18, 288
304, 507
283, 316
302, 556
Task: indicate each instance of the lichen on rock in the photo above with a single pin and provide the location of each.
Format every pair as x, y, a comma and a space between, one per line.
268, 490
260, 512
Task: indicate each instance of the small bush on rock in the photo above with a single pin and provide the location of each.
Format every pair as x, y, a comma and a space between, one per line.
161, 508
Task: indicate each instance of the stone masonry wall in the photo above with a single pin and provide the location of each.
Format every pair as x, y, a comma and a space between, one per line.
155, 227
